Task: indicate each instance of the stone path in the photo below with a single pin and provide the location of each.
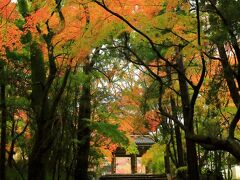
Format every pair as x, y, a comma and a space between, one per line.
133, 177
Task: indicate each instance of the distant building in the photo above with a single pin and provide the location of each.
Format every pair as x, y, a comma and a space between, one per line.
131, 163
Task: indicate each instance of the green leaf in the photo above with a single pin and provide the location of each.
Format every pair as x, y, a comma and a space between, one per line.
110, 131
131, 149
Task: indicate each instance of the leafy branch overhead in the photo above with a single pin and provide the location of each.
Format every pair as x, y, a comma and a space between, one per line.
80, 78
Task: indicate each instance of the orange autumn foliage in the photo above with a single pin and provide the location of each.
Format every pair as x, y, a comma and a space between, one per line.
153, 119
9, 33
8, 11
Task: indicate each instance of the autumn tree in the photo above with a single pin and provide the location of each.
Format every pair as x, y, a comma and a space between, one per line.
3, 122
188, 99
9, 40
165, 66
227, 29
187, 85
44, 106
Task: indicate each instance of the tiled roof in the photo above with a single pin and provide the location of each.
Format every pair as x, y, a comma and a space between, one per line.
143, 142
143, 139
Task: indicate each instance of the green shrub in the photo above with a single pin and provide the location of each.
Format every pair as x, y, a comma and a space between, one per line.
181, 172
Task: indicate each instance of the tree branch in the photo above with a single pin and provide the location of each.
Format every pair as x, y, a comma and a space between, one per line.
103, 5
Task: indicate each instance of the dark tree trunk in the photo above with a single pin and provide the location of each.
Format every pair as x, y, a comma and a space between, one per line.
38, 159
113, 164
83, 131
167, 162
37, 164
179, 146
81, 169
43, 103
192, 161
172, 141
3, 127
180, 159
11, 152
228, 74
44, 109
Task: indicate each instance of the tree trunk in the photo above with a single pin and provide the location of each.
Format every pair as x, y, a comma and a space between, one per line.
11, 152
44, 107
167, 163
192, 162
43, 103
37, 160
228, 74
3, 127
83, 131
180, 160
179, 146
81, 169
113, 164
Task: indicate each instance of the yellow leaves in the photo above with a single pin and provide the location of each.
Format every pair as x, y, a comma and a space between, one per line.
154, 155
126, 125
172, 5
132, 98
185, 6
130, 117
179, 27
131, 7
107, 154
138, 13
152, 7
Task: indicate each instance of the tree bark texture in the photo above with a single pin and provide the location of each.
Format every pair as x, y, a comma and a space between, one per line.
167, 162
83, 131
3, 126
192, 162
180, 159
37, 159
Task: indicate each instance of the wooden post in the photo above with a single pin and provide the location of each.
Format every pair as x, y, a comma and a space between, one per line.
133, 164
147, 170
113, 164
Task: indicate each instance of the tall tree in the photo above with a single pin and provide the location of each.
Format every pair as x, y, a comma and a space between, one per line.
43, 106
187, 102
83, 129
3, 121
